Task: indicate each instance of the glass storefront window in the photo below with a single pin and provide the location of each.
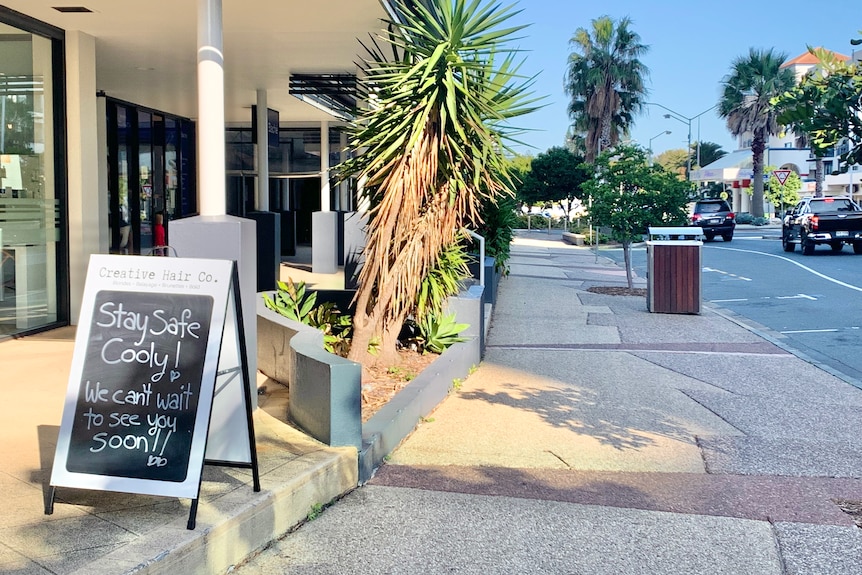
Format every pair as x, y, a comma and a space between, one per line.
145, 179
172, 172
150, 171
298, 151
126, 240
29, 202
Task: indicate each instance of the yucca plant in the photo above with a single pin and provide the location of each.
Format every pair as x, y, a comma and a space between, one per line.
429, 149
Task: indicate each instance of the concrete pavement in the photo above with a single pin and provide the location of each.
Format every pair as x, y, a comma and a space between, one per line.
594, 438
598, 438
104, 533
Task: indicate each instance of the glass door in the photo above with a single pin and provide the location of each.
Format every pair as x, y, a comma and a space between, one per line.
30, 203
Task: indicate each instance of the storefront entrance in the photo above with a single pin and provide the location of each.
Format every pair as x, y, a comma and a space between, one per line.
33, 280
151, 170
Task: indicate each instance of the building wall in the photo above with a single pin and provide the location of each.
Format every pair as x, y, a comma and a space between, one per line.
87, 205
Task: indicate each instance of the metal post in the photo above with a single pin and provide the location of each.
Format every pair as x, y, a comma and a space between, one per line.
262, 203
686, 120
688, 154
481, 256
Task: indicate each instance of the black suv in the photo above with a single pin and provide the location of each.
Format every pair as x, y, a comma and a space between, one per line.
715, 218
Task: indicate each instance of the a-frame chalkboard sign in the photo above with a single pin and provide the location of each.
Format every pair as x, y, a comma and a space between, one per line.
159, 384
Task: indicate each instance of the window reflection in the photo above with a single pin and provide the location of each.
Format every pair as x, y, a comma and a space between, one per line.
29, 207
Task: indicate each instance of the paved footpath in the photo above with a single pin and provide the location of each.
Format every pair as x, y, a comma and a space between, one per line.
598, 438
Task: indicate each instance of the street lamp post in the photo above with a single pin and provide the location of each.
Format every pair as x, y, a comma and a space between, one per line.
687, 121
650, 143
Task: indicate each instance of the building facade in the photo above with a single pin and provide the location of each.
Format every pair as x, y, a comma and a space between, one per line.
101, 129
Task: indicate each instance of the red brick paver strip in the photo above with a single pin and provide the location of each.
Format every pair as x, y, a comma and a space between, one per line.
767, 498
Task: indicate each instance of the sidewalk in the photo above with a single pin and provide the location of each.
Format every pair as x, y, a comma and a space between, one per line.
597, 438
104, 533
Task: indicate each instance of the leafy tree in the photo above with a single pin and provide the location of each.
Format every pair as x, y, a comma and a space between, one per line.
498, 220
674, 161
780, 196
558, 174
827, 105
605, 80
745, 103
526, 187
709, 152
629, 196
430, 150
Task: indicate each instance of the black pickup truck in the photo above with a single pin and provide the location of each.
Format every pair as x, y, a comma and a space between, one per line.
815, 221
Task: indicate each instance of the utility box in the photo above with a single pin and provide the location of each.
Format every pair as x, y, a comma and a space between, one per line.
674, 264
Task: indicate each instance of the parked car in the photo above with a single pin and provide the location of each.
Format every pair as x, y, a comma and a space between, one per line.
832, 221
715, 218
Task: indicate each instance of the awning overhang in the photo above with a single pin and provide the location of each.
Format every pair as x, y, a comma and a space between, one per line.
734, 166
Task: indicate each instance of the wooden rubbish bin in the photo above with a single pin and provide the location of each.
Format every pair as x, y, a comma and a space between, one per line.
674, 272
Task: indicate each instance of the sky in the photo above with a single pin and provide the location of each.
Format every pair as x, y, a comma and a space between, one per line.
691, 48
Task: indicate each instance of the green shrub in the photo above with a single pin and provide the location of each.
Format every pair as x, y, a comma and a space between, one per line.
443, 280
747, 218
438, 333
498, 220
294, 302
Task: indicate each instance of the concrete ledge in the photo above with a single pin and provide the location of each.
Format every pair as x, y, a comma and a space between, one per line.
324, 389
574, 239
274, 333
325, 394
296, 474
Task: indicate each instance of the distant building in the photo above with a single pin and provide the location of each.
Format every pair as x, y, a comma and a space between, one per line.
102, 129
783, 152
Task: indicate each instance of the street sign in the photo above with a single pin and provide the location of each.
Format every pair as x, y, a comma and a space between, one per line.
781, 175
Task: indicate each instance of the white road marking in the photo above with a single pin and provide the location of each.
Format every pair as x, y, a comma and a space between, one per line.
811, 331
727, 300
727, 274
797, 296
806, 268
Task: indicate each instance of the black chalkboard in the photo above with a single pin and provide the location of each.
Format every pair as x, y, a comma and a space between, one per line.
140, 384
159, 345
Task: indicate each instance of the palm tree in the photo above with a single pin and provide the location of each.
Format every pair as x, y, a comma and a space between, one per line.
705, 153
429, 150
605, 80
745, 103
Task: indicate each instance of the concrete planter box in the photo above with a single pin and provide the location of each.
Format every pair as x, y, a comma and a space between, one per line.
574, 239
325, 390
399, 417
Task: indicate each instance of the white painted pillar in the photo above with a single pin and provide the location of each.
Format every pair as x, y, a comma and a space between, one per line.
211, 124
87, 200
324, 167
262, 203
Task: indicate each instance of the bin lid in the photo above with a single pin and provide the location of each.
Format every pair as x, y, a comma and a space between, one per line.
675, 233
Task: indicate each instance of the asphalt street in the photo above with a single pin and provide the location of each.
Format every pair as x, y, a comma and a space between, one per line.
812, 304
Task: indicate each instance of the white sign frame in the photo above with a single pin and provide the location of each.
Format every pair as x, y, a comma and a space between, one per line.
151, 275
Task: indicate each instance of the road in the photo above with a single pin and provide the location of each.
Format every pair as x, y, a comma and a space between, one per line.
813, 302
